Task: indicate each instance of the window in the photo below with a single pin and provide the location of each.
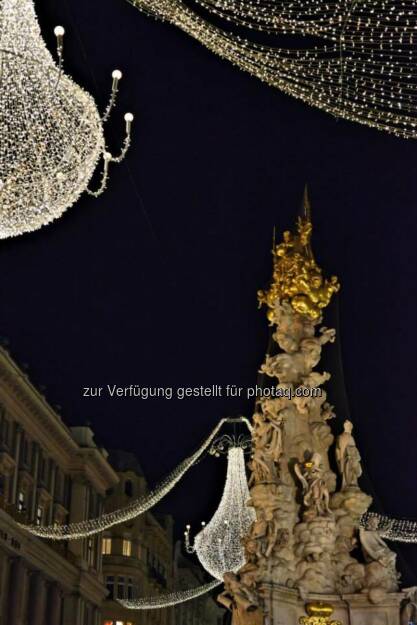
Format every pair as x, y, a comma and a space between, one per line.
90, 551
110, 588
127, 547
5, 432
42, 470
25, 452
39, 515
106, 546
120, 587
130, 593
129, 488
21, 501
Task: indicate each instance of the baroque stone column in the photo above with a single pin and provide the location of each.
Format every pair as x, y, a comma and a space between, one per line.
301, 547
72, 610
17, 461
17, 592
78, 512
37, 599
35, 483
6, 563
54, 608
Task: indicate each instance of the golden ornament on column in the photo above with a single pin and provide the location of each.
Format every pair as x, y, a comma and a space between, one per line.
318, 614
296, 276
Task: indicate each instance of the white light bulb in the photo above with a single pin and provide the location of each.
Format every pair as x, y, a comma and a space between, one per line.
59, 31
129, 117
117, 74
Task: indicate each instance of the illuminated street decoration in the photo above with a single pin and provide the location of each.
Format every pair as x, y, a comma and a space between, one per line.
169, 599
396, 530
83, 529
219, 544
363, 69
51, 133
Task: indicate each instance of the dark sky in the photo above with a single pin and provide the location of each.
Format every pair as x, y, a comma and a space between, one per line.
155, 283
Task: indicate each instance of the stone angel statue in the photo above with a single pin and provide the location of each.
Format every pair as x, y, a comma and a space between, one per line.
374, 547
348, 457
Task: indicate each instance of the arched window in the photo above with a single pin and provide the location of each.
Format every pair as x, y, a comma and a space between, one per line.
129, 488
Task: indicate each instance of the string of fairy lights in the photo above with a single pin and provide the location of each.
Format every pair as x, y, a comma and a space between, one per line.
364, 69
83, 529
169, 599
218, 545
396, 530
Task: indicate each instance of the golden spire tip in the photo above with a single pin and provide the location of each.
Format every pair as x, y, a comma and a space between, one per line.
306, 204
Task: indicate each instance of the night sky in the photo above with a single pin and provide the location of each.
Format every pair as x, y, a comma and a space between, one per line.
155, 282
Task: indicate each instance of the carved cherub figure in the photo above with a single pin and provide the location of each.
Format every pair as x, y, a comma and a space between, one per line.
327, 412
236, 594
315, 492
264, 532
286, 367
263, 467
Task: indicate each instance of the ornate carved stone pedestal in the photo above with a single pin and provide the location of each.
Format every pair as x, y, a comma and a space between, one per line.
284, 606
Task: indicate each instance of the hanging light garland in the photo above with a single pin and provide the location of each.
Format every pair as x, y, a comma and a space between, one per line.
396, 530
51, 133
364, 71
169, 599
75, 531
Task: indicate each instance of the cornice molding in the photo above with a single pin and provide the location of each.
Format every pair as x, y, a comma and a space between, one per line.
31, 410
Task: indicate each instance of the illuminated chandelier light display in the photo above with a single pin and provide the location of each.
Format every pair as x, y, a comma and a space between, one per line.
364, 70
218, 545
51, 133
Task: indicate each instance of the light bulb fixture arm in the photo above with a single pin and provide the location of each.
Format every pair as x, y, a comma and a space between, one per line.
116, 76
107, 158
127, 140
59, 33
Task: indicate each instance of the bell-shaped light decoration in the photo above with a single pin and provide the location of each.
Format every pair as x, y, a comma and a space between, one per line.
219, 544
51, 133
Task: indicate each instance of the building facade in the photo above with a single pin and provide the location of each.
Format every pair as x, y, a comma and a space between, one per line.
49, 473
137, 555
53, 474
